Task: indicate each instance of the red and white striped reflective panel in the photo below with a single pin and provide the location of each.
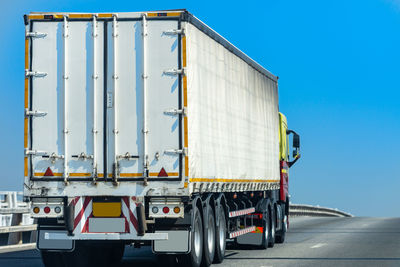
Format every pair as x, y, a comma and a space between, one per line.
242, 232
83, 211
241, 212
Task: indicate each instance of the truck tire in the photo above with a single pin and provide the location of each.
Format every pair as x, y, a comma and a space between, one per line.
272, 230
52, 259
280, 235
193, 259
265, 234
209, 236
220, 235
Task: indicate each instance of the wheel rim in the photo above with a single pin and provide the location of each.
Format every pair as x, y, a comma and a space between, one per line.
221, 233
211, 233
197, 238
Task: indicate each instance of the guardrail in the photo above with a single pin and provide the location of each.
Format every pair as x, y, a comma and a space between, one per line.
17, 231
315, 211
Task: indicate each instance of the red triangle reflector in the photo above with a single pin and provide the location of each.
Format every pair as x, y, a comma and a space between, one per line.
48, 172
162, 173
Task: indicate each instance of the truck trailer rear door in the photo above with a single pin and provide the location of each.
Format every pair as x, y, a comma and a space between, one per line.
66, 99
105, 99
142, 95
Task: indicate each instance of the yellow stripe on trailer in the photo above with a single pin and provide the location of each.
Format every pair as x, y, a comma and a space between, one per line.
58, 174
36, 17
164, 14
26, 99
104, 15
80, 16
130, 174
185, 103
155, 174
46, 16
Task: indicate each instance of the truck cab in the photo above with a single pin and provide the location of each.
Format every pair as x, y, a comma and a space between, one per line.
284, 157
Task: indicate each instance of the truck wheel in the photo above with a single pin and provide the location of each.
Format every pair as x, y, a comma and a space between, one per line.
280, 235
209, 237
193, 259
51, 259
272, 219
265, 234
220, 236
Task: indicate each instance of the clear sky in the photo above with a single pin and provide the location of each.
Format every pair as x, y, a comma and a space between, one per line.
339, 68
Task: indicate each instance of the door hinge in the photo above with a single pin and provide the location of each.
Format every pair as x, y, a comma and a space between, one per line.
175, 112
35, 73
174, 72
94, 174
115, 175
35, 34
174, 32
35, 113
176, 151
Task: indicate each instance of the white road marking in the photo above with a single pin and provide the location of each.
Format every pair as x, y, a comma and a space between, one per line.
318, 245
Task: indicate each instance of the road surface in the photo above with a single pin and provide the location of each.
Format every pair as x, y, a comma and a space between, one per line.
355, 241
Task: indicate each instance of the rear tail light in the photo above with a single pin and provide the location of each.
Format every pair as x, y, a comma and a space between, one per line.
177, 209
46, 210
36, 210
165, 210
57, 209
154, 210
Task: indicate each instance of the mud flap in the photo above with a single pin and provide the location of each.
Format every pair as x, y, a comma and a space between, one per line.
45, 243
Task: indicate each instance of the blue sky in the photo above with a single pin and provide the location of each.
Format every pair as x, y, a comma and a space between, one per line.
338, 63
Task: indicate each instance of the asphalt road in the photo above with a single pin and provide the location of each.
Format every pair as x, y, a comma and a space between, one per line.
310, 242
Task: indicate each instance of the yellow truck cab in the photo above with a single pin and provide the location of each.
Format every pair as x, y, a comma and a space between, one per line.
284, 159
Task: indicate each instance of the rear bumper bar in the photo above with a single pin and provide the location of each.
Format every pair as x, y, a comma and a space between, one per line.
105, 236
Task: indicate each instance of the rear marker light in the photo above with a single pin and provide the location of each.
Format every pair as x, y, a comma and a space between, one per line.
177, 209
154, 210
46, 210
165, 210
57, 209
36, 210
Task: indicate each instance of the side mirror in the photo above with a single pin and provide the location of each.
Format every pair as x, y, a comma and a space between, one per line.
296, 146
296, 141
295, 153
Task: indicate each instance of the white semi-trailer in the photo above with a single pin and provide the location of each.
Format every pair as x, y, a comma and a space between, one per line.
149, 128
